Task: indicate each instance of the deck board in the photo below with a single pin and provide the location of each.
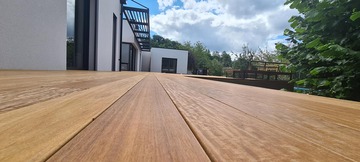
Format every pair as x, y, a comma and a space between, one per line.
251, 122
34, 132
19, 89
143, 125
332, 126
126, 116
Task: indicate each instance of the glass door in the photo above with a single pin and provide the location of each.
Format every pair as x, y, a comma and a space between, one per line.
169, 65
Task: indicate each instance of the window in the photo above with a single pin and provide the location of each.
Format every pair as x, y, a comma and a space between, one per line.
169, 65
128, 57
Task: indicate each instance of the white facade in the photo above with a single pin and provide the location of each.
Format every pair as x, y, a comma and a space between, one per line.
146, 59
33, 37
157, 54
33, 34
106, 11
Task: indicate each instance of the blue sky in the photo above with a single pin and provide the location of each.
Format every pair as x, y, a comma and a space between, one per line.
221, 25
151, 4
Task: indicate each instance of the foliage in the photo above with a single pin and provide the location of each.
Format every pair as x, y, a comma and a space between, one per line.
202, 55
226, 59
70, 53
265, 55
215, 68
242, 59
215, 62
161, 42
324, 46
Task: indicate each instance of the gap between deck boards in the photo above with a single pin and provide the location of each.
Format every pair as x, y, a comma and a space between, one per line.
143, 124
93, 119
188, 124
36, 131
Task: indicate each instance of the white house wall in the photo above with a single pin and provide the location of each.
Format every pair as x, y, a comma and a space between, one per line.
33, 34
106, 9
158, 53
128, 35
146, 57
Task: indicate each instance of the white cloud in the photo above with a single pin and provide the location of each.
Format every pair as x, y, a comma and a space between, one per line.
224, 24
165, 3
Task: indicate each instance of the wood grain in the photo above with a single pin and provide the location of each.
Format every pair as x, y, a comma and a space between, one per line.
19, 89
143, 125
246, 128
112, 116
35, 132
322, 121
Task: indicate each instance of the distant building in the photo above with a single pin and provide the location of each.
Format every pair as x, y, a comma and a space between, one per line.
33, 37
168, 60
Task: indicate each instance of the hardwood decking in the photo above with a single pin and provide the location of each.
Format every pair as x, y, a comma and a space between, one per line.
122, 116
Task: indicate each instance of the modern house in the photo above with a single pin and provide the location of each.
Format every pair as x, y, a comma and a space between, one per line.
108, 37
166, 61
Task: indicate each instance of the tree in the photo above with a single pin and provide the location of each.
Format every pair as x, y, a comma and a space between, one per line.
161, 42
70, 53
324, 46
202, 55
243, 59
216, 56
268, 56
226, 59
215, 68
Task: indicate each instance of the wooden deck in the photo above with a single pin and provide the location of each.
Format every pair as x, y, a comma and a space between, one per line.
123, 116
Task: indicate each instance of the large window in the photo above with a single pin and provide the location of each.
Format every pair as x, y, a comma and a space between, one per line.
169, 65
82, 46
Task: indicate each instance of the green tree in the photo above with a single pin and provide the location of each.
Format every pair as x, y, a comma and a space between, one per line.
70, 53
215, 68
324, 46
161, 42
243, 59
202, 55
268, 56
226, 59
216, 56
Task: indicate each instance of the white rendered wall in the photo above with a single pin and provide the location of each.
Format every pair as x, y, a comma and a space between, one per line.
146, 57
33, 34
128, 35
158, 53
106, 9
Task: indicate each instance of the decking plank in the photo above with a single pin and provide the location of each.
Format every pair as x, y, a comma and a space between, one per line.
230, 122
24, 89
143, 125
252, 133
35, 132
323, 121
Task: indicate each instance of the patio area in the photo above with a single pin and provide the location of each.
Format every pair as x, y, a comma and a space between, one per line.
133, 116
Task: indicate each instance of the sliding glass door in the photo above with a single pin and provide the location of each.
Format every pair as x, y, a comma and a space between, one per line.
128, 57
169, 65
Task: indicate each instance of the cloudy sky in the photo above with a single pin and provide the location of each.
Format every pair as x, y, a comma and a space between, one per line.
221, 25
